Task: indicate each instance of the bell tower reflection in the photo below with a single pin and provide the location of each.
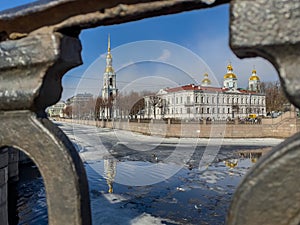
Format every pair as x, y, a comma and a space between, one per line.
110, 169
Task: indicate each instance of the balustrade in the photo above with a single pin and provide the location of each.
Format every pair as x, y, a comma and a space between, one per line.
39, 43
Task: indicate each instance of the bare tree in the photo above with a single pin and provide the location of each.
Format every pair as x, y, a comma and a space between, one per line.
275, 97
99, 105
68, 111
138, 107
129, 104
153, 101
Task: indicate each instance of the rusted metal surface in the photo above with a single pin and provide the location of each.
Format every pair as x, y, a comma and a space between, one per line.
39, 44
31, 70
70, 16
270, 193
60, 166
270, 29
3, 186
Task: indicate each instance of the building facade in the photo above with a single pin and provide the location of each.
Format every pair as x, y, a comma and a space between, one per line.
56, 110
196, 102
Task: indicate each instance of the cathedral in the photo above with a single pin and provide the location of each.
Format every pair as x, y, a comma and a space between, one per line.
202, 101
207, 102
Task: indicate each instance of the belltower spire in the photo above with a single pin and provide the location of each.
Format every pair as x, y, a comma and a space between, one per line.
109, 78
109, 68
108, 43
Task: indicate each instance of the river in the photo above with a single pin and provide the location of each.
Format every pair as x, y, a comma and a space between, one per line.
146, 187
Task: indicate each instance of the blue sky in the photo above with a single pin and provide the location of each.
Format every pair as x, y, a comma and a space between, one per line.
184, 38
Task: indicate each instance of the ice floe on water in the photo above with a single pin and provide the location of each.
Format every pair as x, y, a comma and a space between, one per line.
141, 180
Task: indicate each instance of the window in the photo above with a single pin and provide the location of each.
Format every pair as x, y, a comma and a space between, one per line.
202, 99
228, 110
180, 99
176, 100
207, 110
212, 99
207, 99
110, 81
188, 110
180, 110
188, 99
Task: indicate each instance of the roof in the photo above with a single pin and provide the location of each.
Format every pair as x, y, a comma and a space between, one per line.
192, 87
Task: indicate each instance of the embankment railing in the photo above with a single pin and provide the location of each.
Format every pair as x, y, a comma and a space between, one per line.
39, 43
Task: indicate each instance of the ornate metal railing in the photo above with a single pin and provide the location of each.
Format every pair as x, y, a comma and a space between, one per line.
39, 43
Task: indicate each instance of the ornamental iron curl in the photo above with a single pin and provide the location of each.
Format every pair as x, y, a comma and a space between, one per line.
270, 193
39, 43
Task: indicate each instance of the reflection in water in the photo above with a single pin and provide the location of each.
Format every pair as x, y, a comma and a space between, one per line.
191, 196
231, 163
110, 169
253, 156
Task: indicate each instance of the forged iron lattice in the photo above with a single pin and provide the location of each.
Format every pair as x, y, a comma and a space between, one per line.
31, 81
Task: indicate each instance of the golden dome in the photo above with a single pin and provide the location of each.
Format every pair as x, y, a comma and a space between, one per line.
254, 76
109, 69
230, 74
206, 80
229, 67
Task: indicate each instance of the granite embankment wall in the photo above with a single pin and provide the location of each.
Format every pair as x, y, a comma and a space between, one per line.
280, 127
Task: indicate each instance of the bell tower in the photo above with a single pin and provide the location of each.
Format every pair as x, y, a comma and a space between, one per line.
109, 89
254, 82
230, 79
